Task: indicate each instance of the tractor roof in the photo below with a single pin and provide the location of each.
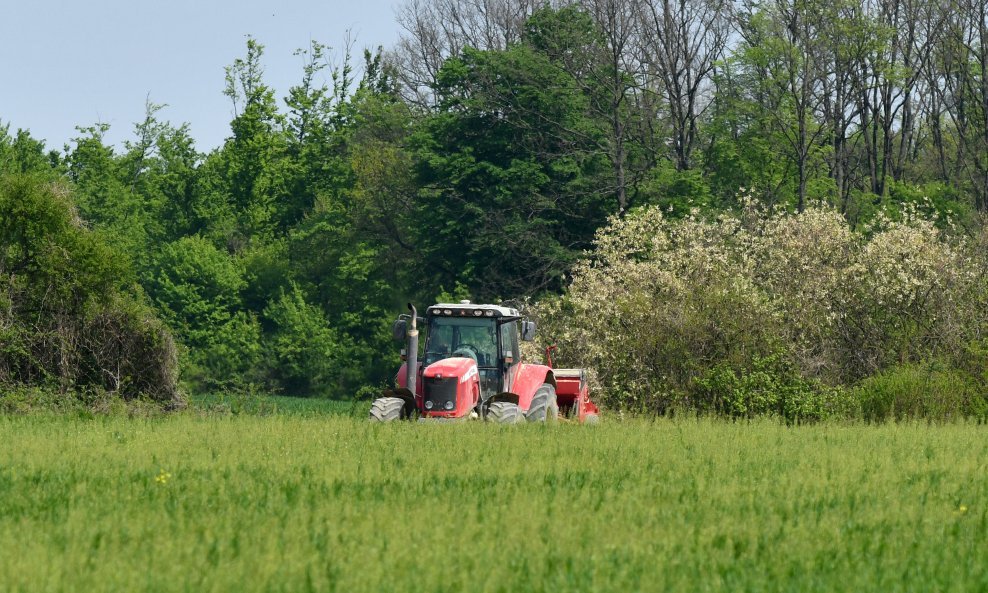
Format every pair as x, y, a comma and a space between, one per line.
466, 308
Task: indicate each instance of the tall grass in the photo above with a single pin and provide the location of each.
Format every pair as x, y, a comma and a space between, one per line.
331, 503
262, 404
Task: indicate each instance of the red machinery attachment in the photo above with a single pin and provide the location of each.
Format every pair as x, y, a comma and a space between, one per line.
573, 392
573, 395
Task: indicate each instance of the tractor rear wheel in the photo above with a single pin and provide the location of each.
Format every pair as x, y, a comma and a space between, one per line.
388, 409
504, 413
544, 406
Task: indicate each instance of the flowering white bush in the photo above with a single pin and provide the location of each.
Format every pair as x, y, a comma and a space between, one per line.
661, 306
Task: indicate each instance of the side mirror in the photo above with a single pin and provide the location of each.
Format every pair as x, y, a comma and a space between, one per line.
528, 330
399, 330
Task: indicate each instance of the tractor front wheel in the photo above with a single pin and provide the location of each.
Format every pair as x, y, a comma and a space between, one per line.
504, 413
388, 409
544, 407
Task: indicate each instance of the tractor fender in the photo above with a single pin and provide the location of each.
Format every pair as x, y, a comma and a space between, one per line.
504, 396
528, 378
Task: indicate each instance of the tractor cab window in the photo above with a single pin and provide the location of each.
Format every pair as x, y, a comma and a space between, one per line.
467, 338
509, 339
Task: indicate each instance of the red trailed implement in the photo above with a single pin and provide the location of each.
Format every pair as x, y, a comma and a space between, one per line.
573, 395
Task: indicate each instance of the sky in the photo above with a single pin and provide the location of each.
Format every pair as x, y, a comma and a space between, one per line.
68, 63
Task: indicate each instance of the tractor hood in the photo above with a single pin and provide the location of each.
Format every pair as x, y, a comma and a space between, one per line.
462, 368
450, 388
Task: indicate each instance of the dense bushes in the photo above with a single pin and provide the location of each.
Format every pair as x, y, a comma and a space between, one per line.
198, 288
928, 391
303, 351
71, 318
769, 386
202, 293
769, 311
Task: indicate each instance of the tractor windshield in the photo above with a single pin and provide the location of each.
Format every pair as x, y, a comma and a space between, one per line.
469, 338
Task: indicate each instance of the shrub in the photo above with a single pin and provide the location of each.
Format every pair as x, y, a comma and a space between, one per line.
230, 359
770, 386
23, 400
302, 348
914, 391
197, 288
71, 317
125, 349
765, 310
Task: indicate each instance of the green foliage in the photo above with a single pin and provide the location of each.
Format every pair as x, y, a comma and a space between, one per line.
678, 192
162, 167
343, 273
303, 351
23, 154
26, 400
103, 196
939, 201
71, 316
267, 271
250, 167
769, 386
928, 391
231, 355
759, 313
280, 258
511, 168
198, 288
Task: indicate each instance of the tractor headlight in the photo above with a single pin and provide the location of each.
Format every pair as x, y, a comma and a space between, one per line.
478, 313
447, 311
449, 405
489, 313
428, 405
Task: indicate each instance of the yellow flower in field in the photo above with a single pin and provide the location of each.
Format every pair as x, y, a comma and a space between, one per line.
962, 509
163, 477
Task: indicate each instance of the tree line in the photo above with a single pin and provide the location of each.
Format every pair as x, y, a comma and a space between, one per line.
479, 156
856, 104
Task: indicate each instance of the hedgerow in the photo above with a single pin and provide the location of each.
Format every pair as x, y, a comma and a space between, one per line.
766, 311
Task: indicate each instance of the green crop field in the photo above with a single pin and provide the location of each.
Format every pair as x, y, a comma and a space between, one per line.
326, 502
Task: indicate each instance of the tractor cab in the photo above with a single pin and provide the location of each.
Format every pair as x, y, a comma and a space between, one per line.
485, 334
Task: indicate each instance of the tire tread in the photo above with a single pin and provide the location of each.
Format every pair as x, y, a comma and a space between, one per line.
544, 406
387, 409
504, 413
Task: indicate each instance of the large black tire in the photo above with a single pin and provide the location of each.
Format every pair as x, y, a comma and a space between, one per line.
544, 406
504, 413
388, 409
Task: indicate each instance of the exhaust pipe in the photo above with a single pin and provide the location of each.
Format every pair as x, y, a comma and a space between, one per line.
412, 353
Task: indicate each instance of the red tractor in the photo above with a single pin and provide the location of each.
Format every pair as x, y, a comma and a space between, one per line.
472, 368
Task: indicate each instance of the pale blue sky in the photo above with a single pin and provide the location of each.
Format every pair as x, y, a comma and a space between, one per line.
70, 63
